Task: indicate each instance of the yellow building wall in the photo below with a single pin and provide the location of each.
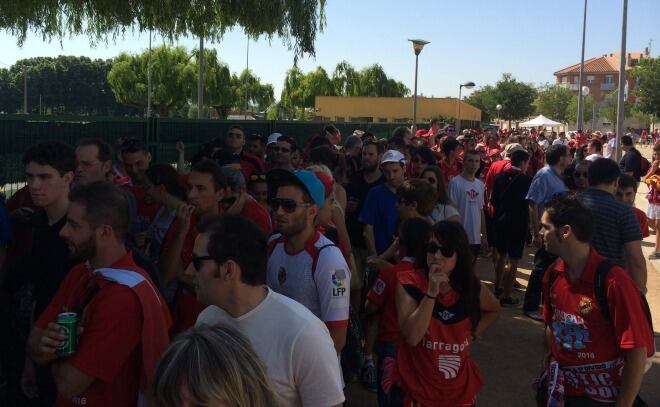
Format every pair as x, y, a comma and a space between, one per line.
392, 109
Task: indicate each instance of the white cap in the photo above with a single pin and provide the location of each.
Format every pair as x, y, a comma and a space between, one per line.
393, 156
273, 138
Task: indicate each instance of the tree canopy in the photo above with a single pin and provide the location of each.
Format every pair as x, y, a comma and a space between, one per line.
516, 98
295, 21
647, 86
553, 102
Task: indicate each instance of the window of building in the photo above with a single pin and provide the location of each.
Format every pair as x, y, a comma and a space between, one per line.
575, 79
382, 120
564, 79
609, 79
591, 79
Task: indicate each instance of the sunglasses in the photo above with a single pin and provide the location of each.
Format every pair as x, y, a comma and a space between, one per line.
257, 177
235, 135
432, 248
289, 205
580, 174
280, 150
430, 180
197, 261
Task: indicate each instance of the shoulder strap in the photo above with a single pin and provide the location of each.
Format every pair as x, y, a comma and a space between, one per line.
600, 277
315, 258
275, 242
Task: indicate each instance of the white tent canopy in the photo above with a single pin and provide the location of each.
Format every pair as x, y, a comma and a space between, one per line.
541, 120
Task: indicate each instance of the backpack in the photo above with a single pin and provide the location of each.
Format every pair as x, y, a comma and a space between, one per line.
600, 277
644, 165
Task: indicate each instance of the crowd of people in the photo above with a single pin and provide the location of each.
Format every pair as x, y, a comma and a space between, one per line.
262, 272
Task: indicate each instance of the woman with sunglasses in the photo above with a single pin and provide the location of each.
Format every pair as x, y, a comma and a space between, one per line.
444, 209
576, 177
442, 307
422, 157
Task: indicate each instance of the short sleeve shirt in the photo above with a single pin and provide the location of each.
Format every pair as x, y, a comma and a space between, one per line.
546, 185
614, 224
468, 196
317, 278
643, 221
382, 294
109, 348
380, 211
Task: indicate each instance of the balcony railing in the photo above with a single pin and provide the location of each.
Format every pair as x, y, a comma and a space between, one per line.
571, 86
607, 86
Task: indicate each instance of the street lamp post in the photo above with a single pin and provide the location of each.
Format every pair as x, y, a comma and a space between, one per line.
580, 118
620, 113
418, 45
468, 85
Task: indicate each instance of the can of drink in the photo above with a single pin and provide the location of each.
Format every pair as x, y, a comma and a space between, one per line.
69, 323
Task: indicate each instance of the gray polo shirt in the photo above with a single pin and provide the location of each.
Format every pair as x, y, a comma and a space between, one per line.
614, 224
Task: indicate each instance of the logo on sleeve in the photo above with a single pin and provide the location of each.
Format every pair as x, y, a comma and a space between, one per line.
339, 283
379, 287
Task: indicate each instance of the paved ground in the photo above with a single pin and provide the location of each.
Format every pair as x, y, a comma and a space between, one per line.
509, 353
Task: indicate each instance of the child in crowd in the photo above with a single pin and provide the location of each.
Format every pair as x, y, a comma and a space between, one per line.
626, 193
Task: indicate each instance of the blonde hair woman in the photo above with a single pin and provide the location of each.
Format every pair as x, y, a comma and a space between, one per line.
213, 367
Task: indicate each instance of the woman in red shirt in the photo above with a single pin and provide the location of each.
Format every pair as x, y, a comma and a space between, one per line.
442, 307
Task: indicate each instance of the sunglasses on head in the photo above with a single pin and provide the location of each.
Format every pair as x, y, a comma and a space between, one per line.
289, 205
432, 248
257, 177
280, 149
197, 261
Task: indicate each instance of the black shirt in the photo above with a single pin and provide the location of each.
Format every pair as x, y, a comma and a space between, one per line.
356, 191
50, 260
509, 198
632, 162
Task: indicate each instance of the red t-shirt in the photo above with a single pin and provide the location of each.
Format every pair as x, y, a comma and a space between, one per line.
581, 139
496, 168
583, 338
251, 164
145, 211
643, 221
109, 349
256, 213
382, 294
439, 371
450, 171
186, 307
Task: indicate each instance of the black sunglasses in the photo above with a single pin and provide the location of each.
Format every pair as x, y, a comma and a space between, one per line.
257, 177
280, 150
432, 248
289, 205
228, 201
430, 180
580, 174
234, 134
197, 261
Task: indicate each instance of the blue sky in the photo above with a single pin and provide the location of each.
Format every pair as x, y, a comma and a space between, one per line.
471, 40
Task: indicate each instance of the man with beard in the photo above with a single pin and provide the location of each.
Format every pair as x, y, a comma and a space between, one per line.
356, 193
235, 142
279, 153
49, 168
122, 320
303, 264
206, 186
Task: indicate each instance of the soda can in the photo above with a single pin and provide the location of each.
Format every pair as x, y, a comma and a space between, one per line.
68, 321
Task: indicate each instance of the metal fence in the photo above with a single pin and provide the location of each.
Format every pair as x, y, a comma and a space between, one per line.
17, 132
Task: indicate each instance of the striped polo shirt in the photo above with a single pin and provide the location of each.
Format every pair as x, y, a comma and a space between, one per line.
614, 224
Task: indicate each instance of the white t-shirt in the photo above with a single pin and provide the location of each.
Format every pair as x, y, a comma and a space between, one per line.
560, 141
610, 146
324, 290
468, 196
544, 144
295, 347
442, 212
593, 157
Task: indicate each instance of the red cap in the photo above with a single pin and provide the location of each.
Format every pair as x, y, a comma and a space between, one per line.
327, 181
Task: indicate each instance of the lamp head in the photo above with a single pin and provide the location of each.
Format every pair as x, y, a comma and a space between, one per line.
418, 45
468, 85
498, 107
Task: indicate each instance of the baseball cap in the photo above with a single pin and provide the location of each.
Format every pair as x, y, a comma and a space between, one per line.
273, 138
303, 178
510, 148
393, 156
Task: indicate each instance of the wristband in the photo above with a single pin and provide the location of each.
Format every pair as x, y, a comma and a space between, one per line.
428, 296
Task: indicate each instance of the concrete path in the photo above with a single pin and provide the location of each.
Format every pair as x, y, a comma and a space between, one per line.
510, 353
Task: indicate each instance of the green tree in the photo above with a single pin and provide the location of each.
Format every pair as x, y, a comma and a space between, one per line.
610, 105
647, 86
218, 92
553, 102
260, 96
171, 76
295, 21
346, 80
485, 100
292, 94
516, 98
375, 82
587, 109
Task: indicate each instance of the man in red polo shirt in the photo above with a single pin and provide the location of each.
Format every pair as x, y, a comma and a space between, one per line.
599, 339
205, 186
123, 320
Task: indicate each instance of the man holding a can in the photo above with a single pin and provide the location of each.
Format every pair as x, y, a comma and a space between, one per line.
106, 327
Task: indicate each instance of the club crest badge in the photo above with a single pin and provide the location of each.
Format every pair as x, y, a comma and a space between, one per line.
585, 306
